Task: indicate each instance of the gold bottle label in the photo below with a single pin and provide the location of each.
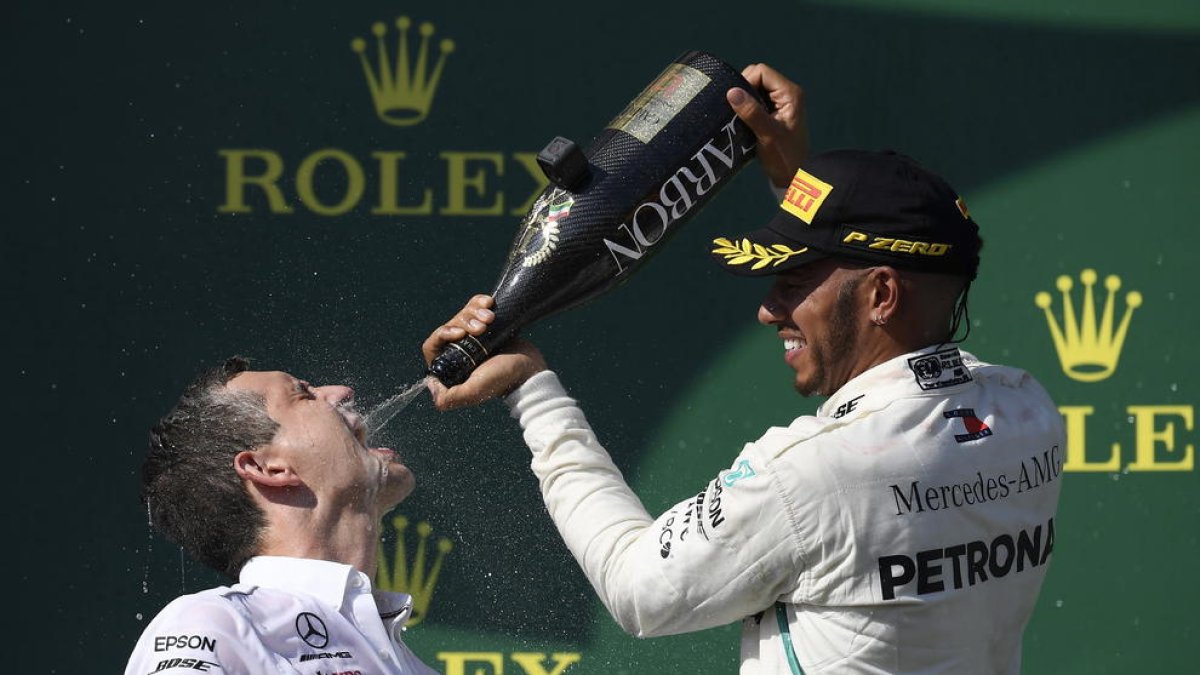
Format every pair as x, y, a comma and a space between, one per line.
658, 104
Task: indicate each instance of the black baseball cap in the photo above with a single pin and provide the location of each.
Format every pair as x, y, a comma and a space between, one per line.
881, 208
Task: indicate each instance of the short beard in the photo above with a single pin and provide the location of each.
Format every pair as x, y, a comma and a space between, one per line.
843, 336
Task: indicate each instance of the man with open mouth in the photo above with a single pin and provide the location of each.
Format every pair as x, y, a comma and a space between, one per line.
269, 480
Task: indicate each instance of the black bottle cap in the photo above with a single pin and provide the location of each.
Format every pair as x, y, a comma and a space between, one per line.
452, 367
458, 360
564, 163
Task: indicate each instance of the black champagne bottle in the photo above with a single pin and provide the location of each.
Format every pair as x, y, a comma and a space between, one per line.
608, 209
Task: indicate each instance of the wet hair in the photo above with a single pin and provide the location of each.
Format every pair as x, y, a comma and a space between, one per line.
193, 494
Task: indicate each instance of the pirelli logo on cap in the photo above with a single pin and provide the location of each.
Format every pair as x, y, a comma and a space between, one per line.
805, 196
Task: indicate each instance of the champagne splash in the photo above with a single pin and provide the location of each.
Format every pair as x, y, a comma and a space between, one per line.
378, 418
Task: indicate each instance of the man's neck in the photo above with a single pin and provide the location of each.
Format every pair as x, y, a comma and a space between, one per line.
351, 538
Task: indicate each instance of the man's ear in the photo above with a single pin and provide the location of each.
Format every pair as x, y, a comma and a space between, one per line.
884, 290
264, 471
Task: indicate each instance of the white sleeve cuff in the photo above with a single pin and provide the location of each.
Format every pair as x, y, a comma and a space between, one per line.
543, 387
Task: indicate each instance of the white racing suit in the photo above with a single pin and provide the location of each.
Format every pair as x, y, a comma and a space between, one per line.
906, 528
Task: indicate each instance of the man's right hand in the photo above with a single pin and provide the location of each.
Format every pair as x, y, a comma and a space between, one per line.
501, 373
782, 134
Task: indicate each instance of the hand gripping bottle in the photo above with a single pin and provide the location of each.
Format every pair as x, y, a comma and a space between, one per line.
609, 208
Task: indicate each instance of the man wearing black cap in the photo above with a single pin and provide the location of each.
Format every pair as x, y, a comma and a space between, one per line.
906, 527
873, 223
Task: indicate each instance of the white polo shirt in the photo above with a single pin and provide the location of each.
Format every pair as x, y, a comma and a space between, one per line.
287, 615
905, 528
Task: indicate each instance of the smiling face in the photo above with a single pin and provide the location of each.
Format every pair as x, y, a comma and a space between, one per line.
817, 310
321, 443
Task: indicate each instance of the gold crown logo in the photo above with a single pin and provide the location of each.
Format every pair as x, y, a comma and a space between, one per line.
1087, 352
402, 91
415, 580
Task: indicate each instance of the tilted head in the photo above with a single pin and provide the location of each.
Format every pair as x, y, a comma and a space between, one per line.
872, 255
194, 496
241, 446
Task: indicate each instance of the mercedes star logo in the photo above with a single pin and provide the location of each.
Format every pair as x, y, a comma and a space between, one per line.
312, 630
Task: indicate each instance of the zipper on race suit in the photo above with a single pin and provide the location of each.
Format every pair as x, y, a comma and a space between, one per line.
785, 634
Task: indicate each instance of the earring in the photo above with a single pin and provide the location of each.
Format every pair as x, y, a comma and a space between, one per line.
879, 320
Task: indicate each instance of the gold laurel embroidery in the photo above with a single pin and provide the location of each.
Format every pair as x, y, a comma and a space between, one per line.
549, 243
745, 251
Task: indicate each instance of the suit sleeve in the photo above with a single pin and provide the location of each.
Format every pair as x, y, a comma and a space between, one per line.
720, 555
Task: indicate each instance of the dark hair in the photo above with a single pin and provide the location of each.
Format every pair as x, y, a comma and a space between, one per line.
193, 495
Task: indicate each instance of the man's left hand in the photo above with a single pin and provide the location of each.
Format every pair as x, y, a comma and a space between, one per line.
498, 375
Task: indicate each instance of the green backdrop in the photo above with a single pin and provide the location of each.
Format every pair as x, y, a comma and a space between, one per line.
186, 183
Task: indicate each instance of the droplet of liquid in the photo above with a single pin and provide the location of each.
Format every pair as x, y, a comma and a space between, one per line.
149, 549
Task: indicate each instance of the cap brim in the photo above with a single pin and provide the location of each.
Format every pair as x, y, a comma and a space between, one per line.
762, 252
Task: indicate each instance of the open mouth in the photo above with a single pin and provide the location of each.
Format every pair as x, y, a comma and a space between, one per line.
360, 431
387, 454
358, 427
792, 340
793, 346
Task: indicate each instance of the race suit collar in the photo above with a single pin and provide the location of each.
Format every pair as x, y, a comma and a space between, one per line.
930, 368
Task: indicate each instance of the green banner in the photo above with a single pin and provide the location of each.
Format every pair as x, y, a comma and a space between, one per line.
317, 187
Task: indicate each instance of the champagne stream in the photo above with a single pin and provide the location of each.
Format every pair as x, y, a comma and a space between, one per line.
378, 418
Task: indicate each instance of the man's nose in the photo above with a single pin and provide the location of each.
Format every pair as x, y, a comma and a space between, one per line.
769, 312
337, 393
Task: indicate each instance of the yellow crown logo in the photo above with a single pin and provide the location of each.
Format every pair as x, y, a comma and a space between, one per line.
402, 92
1087, 352
415, 580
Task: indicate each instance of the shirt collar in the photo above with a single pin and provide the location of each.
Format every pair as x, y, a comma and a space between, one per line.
328, 581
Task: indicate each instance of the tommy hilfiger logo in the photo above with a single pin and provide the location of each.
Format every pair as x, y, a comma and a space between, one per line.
414, 579
1088, 351
976, 428
403, 90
